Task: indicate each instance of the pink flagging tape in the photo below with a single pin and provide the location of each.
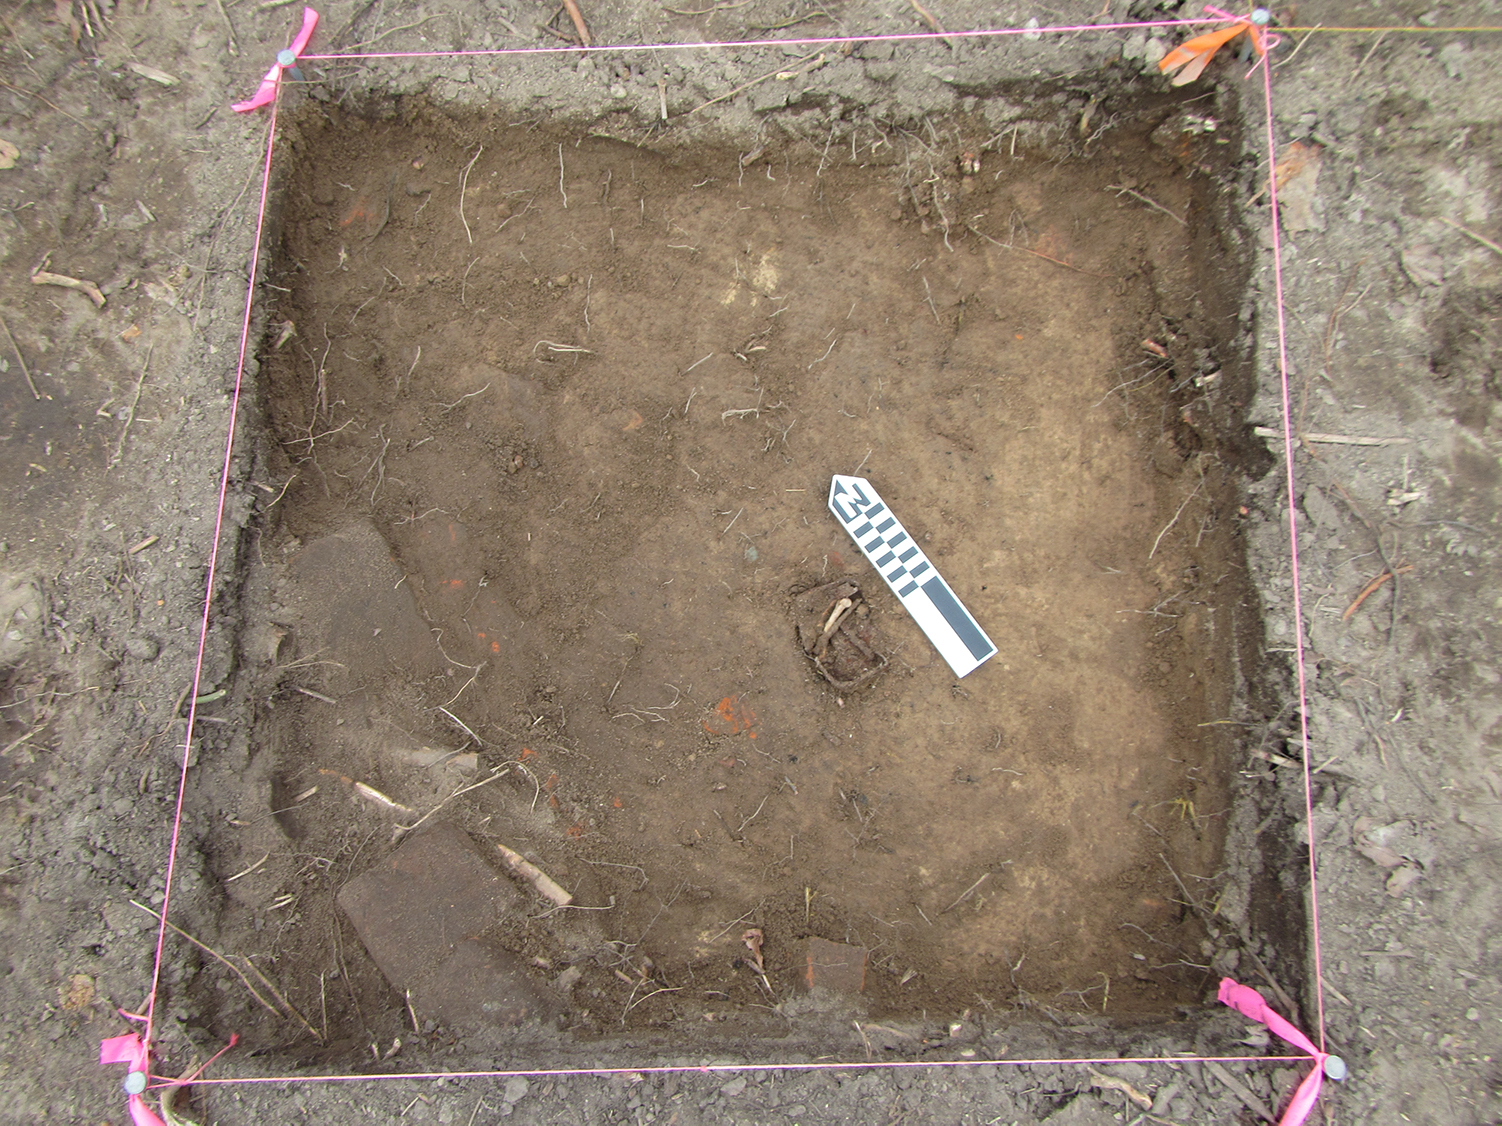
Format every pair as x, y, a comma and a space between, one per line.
133, 1049
285, 60
1247, 1001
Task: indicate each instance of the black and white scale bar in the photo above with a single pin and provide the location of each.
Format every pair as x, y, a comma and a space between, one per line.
913, 579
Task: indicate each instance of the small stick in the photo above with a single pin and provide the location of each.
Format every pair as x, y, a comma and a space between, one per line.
545, 884
1237, 1088
929, 294
209, 950
649, 996
463, 184
43, 277
572, 7
746, 86
249, 870
1471, 234
933, 23
966, 894
502, 773
1121, 189
411, 1012
1367, 57
1175, 519
143, 545
134, 402
234, 46
707, 11
462, 726
561, 192
411, 369
753, 817
286, 1004
314, 695
16, 348
446, 407
371, 794
1039, 254
1332, 439
1370, 589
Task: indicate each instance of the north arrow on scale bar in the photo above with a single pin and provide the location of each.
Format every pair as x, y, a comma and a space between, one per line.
911, 576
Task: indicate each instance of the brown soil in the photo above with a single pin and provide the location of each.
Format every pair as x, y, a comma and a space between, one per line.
589, 398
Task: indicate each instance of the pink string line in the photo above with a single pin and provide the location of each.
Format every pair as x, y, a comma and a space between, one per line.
1293, 549
806, 41
723, 1068
208, 596
726, 1068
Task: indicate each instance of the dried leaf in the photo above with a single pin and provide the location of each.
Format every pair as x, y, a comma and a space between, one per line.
131, 333
8, 154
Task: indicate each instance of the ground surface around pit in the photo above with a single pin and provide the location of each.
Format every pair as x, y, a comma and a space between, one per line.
1390, 327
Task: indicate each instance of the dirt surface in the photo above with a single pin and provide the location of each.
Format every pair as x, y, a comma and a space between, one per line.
670, 291
597, 440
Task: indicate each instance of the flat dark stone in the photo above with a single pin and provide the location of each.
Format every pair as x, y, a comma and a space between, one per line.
423, 913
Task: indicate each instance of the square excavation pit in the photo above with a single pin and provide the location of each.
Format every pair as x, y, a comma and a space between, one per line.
557, 417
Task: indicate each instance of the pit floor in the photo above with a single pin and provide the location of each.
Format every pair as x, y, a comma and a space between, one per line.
585, 401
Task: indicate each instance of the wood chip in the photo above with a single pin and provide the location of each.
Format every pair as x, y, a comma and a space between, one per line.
151, 74
9, 154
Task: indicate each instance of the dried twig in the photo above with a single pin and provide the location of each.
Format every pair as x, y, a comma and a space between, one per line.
1175, 519
546, 886
463, 184
933, 24
1122, 189
1471, 234
1332, 439
209, 950
134, 402
761, 78
572, 7
502, 772
967, 893
16, 348
42, 277
1372, 588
